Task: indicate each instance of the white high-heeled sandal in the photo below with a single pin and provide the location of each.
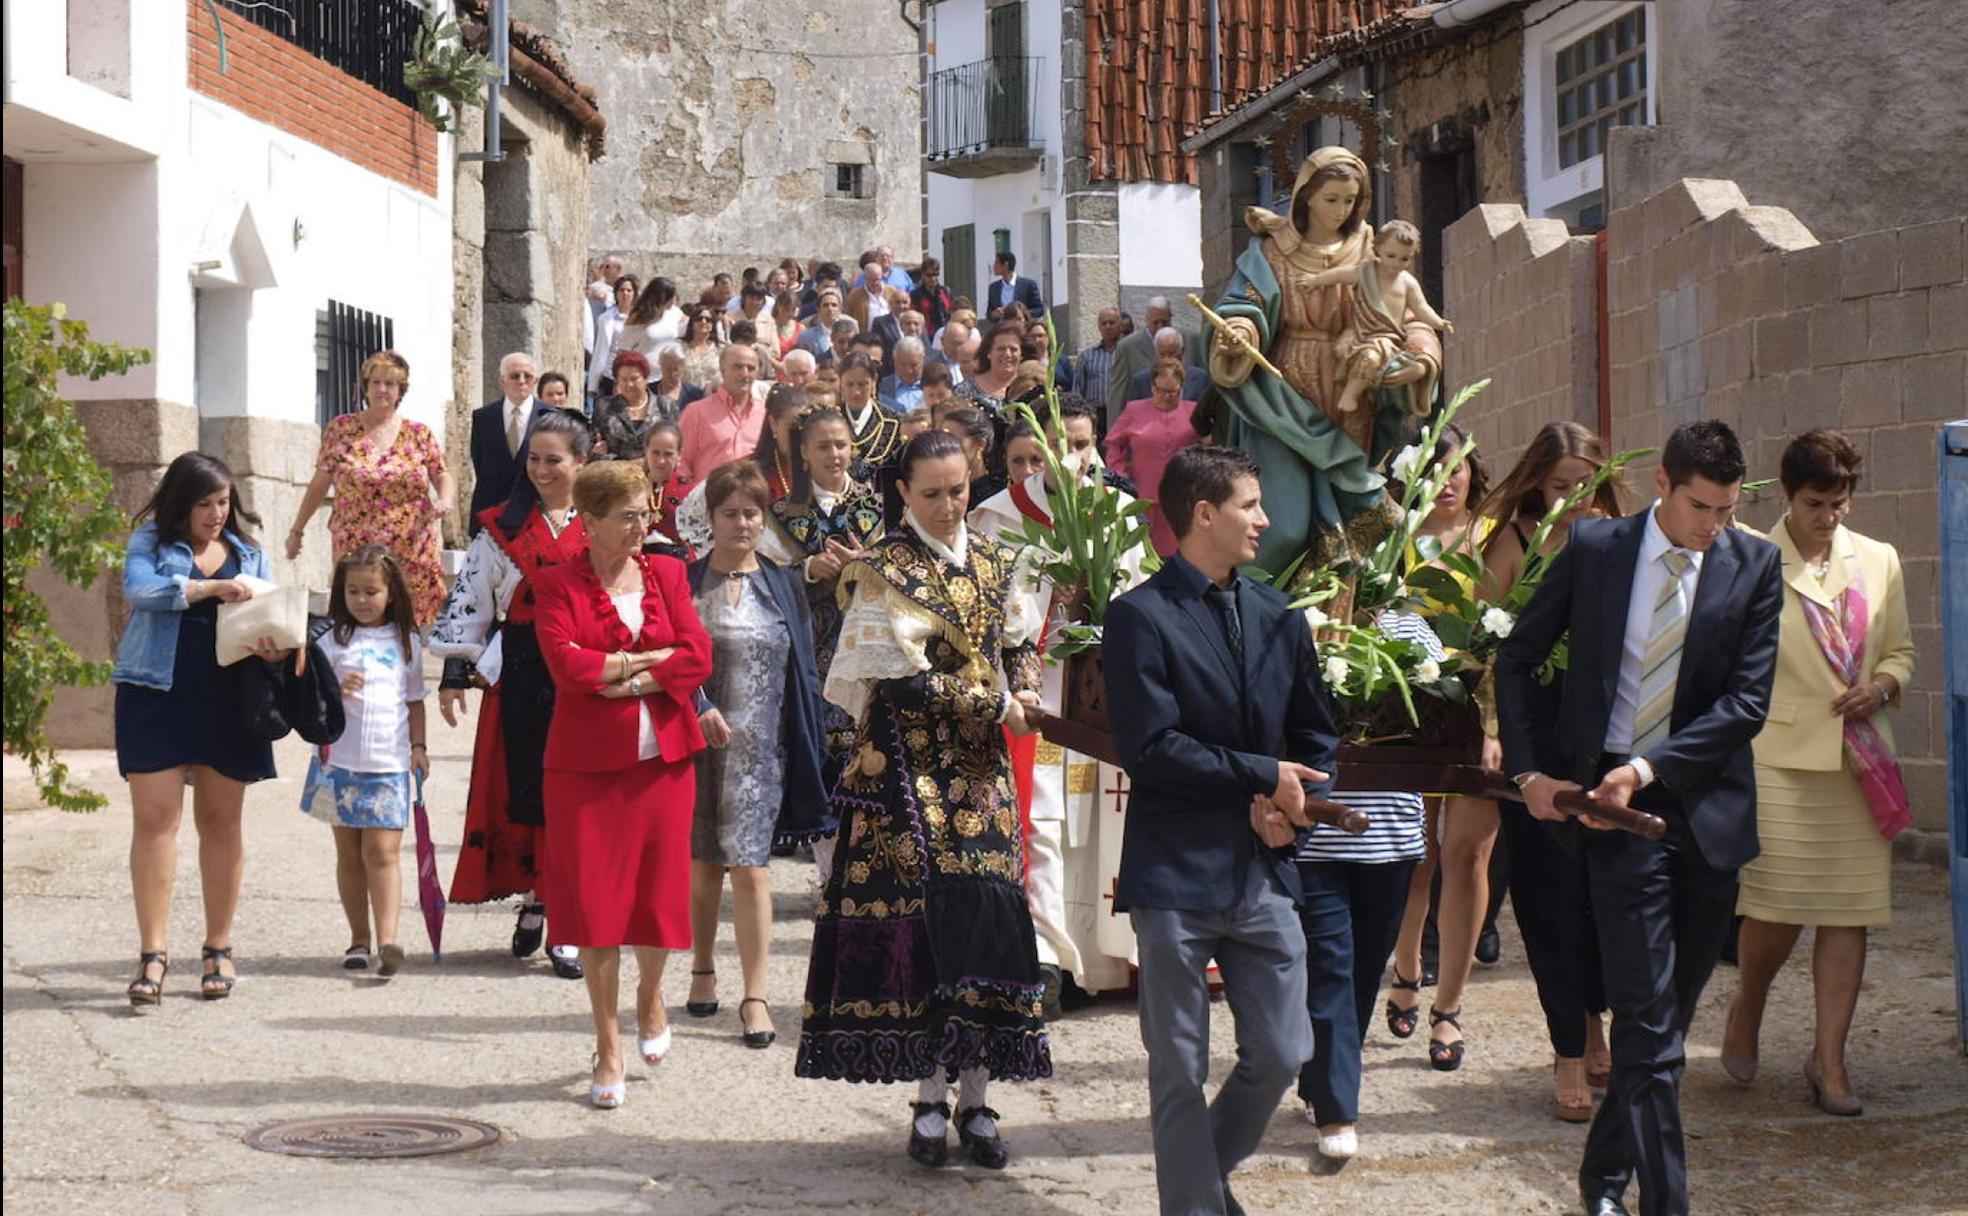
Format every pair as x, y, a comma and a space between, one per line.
607, 1097
653, 1050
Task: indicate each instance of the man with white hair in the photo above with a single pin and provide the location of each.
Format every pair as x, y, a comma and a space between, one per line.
950, 349
894, 275
902, 390
1170, 343
1135, 353
797, 368
498, 435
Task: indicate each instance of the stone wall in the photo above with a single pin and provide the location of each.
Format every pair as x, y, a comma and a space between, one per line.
1464, 93
1848, 116
519, 245
1720, 309
723, 120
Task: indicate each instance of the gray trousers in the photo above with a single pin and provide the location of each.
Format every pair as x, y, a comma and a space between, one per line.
1259, 946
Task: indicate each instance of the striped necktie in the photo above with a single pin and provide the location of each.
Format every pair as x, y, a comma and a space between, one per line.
1661, 669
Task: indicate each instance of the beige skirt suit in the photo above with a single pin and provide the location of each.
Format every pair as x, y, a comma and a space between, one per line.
1824, 861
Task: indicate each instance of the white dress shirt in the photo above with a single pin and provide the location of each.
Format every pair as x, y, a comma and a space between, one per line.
1649, 577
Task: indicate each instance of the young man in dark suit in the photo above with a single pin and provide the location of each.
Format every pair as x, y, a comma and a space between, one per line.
498, 436
1673, 622
1222, 721
1010, 286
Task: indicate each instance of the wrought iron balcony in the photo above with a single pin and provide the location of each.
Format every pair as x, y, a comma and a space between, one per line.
982, 118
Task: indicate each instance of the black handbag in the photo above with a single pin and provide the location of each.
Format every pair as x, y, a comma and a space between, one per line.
300, 696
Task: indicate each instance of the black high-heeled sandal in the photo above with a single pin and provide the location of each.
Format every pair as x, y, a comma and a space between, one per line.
1445, 1057
215, 985
702, 1009
143, 990
755, 1039
1401, 1022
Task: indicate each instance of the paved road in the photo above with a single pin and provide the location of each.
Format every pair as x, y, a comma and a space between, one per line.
106, 1111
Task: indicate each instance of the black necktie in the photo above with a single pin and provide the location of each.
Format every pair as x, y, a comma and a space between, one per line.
1225, 601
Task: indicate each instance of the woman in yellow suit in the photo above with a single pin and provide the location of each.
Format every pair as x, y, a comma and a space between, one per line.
1830, 796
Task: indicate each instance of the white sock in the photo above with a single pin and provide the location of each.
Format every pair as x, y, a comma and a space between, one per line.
932, 1123
564, 952
973, 1084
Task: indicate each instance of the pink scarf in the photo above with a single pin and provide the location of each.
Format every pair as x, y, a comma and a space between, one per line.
1841, 638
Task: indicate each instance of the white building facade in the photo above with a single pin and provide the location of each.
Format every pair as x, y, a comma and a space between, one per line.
256, 214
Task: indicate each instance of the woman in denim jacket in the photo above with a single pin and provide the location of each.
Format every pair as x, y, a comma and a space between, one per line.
178, 711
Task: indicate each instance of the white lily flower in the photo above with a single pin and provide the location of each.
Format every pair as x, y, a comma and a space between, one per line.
1414, 520
1498, 622
1407, 464
1335, 670
1316, 618
1428, 671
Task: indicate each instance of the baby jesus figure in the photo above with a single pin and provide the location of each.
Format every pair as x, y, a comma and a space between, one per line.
1388, 296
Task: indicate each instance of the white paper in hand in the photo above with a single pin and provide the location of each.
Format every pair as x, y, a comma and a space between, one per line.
274, 612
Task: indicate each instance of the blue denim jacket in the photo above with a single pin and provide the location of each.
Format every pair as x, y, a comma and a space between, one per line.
154, 582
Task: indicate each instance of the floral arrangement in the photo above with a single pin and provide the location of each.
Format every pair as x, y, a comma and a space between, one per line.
1092, 527
1363, 666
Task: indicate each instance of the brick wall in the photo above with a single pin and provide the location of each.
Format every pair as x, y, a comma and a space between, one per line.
1720, 309
282, 85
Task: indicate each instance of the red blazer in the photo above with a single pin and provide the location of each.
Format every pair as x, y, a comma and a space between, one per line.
578, 629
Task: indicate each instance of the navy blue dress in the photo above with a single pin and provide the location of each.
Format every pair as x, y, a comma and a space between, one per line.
198, 720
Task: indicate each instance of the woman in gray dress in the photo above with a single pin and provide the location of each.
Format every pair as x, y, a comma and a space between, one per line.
760, 778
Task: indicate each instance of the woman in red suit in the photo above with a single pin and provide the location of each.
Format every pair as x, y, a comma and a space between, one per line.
627, 653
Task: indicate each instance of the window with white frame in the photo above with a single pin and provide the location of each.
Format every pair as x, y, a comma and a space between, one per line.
1601, 82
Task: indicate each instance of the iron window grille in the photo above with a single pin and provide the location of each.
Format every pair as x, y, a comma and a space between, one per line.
343, 338
368, 39
1602, 83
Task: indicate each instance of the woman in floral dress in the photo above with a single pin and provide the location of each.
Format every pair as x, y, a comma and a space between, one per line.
384, 471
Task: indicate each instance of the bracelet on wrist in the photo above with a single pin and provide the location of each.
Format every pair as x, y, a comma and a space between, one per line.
418, 747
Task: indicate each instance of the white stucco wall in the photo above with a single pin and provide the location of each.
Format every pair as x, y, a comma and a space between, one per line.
1161, 234
118, 218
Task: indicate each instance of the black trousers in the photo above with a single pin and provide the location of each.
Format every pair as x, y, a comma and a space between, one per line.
1554, 916
1662, 914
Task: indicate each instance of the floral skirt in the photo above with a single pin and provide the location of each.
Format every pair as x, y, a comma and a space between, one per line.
344, 799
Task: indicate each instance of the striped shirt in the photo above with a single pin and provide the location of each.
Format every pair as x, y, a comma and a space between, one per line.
1394, 822
1092, 373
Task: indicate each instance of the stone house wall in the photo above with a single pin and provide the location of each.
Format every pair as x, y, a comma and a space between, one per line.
1720, 309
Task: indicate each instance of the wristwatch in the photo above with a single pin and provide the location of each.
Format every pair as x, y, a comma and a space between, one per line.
1523, 780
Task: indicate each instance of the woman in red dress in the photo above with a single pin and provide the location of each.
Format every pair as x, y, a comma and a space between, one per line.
621, 637
486, 638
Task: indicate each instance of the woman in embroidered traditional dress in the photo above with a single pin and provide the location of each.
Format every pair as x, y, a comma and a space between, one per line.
925, 966
661, 458
485, 637
875, 433
827, 521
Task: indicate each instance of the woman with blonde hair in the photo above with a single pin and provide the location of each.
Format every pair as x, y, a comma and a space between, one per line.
391, 485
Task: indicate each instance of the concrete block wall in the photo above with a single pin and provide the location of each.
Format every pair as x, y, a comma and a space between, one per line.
1521, 294
1718, 308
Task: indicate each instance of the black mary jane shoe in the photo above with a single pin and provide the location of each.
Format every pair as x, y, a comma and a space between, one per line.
987, 1151
758, 1040
929, 1152
1401, 1022
565, 966
1445, 1057
527, 937
702, 1009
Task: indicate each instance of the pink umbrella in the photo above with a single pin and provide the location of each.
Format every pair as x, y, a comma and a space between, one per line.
430, 893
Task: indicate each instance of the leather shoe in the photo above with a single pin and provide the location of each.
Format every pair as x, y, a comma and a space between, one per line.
530, 928
987, 1151
1489, 947
566, 962
1605, 1205
931, 1153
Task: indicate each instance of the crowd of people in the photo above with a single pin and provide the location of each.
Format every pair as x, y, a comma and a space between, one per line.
753, 580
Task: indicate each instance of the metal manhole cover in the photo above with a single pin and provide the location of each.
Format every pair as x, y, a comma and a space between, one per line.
373, 1136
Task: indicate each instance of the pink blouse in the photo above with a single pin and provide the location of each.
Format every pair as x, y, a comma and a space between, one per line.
1139, 447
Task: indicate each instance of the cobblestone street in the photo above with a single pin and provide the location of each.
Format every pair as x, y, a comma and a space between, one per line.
106, 1111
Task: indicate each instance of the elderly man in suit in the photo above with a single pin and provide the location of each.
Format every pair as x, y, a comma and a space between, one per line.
1222, 721
498, 435
1010, 286
1135, 353
1169, 344
1672, 617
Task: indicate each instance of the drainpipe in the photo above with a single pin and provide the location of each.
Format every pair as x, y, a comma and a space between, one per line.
498, 48
1215, 17
1467, 12
922, 105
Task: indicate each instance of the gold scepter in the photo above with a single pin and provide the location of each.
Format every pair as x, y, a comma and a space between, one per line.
1223, 327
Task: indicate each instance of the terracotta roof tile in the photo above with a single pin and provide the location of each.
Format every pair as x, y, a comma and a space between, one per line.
1148, 72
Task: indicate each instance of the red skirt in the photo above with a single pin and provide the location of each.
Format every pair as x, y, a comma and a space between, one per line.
498, 858
616, 867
